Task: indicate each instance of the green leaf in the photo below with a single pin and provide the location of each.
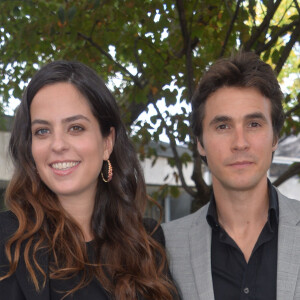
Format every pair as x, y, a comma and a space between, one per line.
275, 56
61, 15
71, 13
144, 63
174, 191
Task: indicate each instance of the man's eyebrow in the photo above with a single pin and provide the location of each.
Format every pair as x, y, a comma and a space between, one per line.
66, 120
256, 115
223, 118
219, 119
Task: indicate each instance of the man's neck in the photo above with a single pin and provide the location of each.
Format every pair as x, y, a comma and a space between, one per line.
242, 214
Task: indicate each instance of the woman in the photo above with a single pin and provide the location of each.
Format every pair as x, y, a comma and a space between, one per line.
75, 229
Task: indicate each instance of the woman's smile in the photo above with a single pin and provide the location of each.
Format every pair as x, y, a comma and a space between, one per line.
67, 144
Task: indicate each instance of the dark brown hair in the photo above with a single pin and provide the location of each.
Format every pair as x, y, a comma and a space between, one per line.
243, 70
117, 220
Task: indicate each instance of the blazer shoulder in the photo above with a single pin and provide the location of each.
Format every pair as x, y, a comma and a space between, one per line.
186, 222
289, 209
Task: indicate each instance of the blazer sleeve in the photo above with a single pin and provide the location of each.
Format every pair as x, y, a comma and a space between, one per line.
159, 236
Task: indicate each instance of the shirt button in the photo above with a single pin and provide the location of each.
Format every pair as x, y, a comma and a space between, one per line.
246, 290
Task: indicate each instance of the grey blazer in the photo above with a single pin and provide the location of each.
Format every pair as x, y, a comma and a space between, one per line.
188, 243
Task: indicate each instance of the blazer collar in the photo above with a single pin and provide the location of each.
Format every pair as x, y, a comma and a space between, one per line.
288, 268
25, 281
200, 251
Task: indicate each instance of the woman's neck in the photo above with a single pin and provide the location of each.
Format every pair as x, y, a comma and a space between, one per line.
81, 211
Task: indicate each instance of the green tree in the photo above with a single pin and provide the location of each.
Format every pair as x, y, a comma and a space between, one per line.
150, 46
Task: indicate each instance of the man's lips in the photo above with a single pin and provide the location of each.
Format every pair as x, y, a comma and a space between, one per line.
241, 163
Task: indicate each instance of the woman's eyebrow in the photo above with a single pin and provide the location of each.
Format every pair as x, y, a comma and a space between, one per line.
39, 121
75, 118
66, 120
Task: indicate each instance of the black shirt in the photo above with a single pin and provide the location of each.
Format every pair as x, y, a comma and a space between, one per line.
93, 290
234, 278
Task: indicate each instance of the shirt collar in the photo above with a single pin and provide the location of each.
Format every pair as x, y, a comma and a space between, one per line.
273, 204
273, 219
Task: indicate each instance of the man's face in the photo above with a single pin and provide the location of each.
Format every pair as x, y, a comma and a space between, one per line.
238, 138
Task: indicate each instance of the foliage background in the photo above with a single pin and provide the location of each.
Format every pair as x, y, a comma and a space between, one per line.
150, 51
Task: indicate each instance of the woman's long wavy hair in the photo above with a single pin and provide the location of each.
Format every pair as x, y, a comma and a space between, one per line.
129, 262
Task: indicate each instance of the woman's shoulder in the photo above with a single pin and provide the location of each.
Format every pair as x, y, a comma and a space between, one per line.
154, 230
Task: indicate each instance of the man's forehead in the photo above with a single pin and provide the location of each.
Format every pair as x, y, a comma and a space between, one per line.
237, 103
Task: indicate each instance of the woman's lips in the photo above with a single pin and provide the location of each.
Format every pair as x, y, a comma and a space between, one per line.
62, 168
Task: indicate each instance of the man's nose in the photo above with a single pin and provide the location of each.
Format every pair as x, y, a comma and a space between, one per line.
240, 141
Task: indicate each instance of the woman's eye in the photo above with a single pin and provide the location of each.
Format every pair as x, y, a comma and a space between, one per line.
42, 131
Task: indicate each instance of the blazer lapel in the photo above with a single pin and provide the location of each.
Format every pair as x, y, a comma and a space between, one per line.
288, 249
25, 281
200, 249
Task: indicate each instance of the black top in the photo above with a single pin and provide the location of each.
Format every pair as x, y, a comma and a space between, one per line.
92, 291
234, 278
95, 290
19, 285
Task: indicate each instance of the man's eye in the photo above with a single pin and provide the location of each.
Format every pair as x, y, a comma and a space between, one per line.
76, 128
254, 124
223, 126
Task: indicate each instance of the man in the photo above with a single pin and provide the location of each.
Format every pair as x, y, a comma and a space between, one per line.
244, 244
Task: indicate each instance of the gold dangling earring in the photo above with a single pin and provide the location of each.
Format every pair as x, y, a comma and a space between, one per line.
107, 169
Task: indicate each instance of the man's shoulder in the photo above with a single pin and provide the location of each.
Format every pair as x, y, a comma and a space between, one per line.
289, 209
290, 201
187, 221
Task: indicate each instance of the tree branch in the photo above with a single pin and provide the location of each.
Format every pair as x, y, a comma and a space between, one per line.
288, 48
135, 110
175, 153
182, 22
136, 55
297, 6
263, 26
187, 47
90, 40
230, 27
293, 170
275, 37
290, 111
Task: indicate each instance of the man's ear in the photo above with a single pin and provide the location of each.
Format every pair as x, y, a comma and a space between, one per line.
109, 143
275, 143
200, 148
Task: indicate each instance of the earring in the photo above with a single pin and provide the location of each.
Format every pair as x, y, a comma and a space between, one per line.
107, 170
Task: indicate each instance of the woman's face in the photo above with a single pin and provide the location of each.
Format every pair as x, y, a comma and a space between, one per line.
67, 145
